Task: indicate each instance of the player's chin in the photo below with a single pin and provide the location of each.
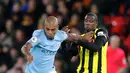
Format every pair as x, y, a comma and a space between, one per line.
50, 37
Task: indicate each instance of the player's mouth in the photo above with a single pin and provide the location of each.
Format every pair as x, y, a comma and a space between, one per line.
50, 36
87, 24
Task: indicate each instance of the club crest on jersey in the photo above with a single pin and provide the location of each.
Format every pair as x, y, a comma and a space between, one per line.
34, 39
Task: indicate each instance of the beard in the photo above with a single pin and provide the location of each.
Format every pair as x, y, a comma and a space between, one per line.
50, 38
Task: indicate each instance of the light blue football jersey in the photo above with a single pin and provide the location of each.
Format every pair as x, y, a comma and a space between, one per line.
44, 51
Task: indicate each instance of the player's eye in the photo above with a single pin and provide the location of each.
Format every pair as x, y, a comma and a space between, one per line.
53, 29
91, 21
85, 20
47, 29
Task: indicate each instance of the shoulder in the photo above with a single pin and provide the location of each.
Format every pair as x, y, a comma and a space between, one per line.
101, 32
61, 34
37, 32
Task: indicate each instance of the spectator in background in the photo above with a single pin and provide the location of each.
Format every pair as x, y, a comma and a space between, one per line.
86, 3
27, 20
50, 10
41, 21
9, 27
5, 39
14, 55
77, 7
61, 21
23, 2
41, 7
29, 7
19, 70
16, 15
60, 3
6, 49
5, 57
28, 24
16, 20
19, 64
62, 9
94, 9
16, 8
116, 61
19, 40
3, 68
63, 12
74, 21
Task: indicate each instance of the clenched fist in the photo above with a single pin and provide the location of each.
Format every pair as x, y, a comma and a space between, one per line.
88, 36
66, 29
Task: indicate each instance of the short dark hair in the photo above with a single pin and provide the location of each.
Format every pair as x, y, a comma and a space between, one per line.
92, 14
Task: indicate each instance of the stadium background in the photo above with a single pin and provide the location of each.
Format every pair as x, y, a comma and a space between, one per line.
19, 18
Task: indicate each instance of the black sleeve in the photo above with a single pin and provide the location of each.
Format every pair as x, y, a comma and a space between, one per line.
74, 49
67, 51
99, 42
68, 48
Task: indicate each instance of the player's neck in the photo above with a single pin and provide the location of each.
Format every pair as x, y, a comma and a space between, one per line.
47, 36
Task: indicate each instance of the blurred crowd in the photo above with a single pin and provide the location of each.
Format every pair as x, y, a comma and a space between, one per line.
19, 18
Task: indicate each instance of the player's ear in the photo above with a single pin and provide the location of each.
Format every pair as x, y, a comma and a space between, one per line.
57, 26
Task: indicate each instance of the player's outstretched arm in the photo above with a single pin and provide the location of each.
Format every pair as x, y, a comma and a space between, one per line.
70, 36
25, 50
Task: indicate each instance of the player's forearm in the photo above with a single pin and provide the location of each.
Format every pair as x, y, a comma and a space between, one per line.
26, 48
93, 46
73, 37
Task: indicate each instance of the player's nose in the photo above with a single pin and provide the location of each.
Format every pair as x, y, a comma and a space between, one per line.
88, 23
50, 32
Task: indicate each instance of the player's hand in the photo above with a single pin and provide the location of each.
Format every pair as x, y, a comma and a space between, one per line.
29, 58
88, 36
74, 37
66, 29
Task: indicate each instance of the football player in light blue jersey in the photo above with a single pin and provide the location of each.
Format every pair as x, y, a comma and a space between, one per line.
41, 49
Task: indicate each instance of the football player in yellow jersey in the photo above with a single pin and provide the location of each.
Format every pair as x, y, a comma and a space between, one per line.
93, 46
